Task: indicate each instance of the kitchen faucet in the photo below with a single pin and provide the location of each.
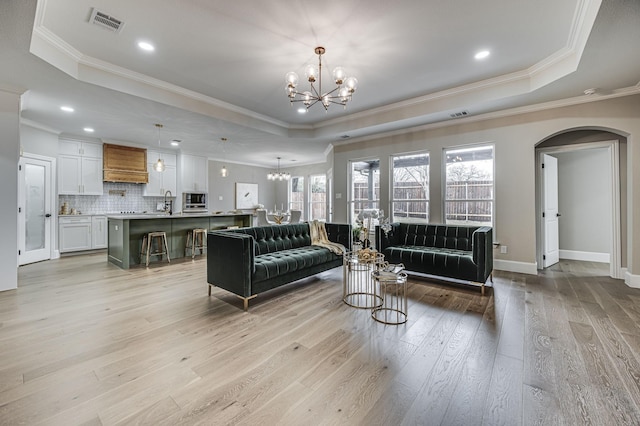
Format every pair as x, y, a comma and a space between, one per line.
168, 208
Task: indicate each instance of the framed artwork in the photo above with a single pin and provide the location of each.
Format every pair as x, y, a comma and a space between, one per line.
246, 195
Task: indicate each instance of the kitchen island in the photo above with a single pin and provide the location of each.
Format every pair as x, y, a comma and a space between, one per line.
126, 231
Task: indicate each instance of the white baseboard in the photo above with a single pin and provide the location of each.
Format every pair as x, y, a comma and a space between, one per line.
512, 266
632, 280
588, 256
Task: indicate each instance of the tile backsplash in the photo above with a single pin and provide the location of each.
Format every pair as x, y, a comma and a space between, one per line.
114, 202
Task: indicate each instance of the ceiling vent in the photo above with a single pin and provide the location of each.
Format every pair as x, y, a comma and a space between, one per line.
105, 21
459, 114
345, 137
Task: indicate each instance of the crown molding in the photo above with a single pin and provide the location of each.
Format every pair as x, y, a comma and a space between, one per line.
559, 64
39, 126
583, 99
59, 53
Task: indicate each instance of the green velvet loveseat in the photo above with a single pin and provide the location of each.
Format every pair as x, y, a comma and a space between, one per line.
249, 261
459, 252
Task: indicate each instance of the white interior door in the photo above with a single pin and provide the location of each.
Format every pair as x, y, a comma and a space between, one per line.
550, 211
34, 210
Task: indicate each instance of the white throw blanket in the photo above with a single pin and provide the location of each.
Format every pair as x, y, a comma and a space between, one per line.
319, 238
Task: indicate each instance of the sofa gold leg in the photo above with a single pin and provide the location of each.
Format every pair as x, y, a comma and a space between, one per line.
491, 277
245, 301
210, 289
482, 290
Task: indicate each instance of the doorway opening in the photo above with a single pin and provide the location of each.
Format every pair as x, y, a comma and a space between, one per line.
584, 200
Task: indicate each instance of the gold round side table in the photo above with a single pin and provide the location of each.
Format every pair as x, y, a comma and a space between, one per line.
393, 293
358, 289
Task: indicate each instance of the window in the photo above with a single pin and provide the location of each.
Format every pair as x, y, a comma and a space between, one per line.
318, 200
296, 194
469, 186
410, 183
365, 187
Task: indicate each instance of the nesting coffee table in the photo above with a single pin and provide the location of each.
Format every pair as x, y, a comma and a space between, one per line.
359, 287
392, 291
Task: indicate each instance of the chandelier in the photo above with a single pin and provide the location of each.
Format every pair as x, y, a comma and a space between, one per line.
158, 166
340, 94
278, 175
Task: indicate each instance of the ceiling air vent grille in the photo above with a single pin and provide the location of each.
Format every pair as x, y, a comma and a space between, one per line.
459, 114
105, 21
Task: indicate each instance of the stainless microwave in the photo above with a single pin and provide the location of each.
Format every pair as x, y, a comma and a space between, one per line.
194, 201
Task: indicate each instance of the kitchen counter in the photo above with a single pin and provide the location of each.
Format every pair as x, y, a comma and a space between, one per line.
130, 216
126, 232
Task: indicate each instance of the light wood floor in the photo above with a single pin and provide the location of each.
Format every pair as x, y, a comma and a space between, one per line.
83, 342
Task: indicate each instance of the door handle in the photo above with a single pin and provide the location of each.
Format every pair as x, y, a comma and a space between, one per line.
47, 215
558, 215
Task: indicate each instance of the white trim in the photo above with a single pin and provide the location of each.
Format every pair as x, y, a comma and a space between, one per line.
565, 60
587, 256
505, 113
632, 280
513, 266
39, 126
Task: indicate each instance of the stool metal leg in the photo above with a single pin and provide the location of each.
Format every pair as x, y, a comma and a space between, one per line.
148, 249
166, 246
193, 244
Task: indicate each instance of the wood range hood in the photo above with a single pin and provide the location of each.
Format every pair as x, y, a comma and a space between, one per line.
124, 164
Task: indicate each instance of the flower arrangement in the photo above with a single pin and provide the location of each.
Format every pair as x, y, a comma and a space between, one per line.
363, 225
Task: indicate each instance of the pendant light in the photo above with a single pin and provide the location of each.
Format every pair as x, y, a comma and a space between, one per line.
158, 166
223, 171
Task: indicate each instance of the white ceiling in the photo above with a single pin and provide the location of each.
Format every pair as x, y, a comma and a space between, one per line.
218, 68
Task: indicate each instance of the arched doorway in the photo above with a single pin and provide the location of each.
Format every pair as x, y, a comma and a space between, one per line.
578, 144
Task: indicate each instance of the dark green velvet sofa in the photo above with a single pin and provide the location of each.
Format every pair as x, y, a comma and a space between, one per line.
459, 252
249, 261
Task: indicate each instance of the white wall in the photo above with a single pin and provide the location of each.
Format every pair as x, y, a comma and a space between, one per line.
9, 153
584, 200
515, 138
38, 141
226, 187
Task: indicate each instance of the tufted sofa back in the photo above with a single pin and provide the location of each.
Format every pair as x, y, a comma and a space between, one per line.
441, 236
269, 239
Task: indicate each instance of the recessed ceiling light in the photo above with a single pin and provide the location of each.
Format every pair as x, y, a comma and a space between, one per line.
88, 129
482, 54
175, 142
67, 108
302, 110
144, 45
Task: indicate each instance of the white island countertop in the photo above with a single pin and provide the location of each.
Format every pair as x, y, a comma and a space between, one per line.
126, 216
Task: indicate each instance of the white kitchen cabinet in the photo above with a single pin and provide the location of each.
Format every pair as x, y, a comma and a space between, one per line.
161, 182
74, 233
194, 172
99, 232
77, 233
79, 168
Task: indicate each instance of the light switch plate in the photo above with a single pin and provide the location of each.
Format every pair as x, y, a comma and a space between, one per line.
338, 195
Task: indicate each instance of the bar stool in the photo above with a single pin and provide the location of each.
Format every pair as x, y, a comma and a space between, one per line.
196, 239
162, 247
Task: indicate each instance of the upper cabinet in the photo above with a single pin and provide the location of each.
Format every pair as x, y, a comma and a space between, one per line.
161, 182
194, 173
79, 168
